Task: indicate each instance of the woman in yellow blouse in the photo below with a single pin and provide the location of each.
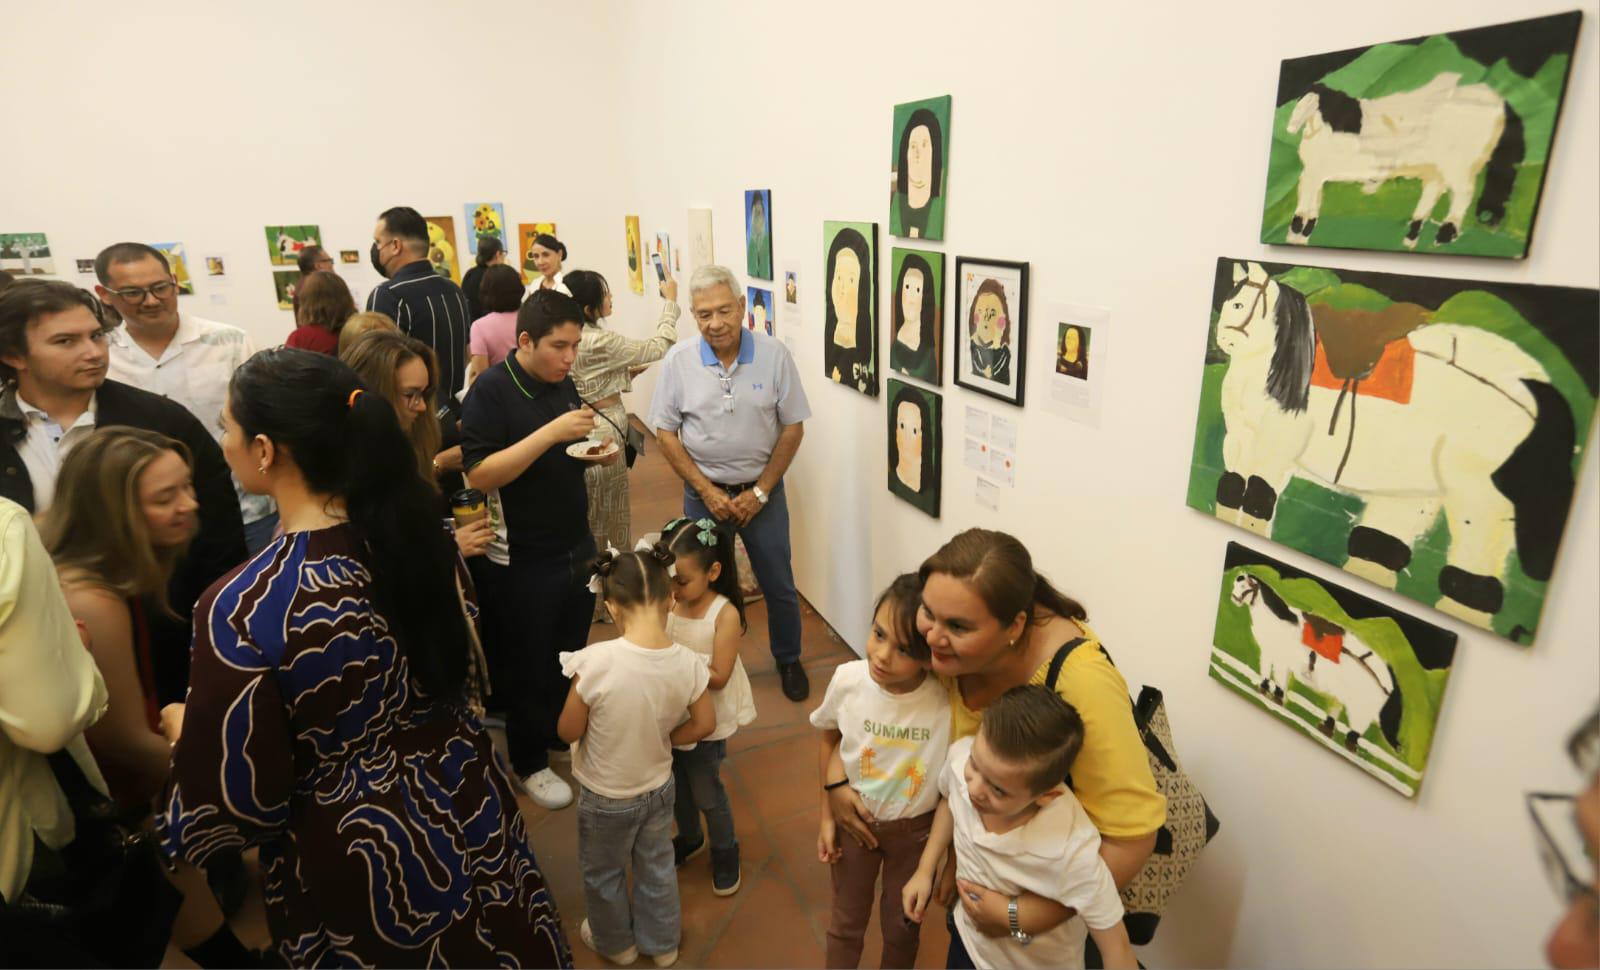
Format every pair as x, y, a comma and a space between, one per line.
607, 363
993, 623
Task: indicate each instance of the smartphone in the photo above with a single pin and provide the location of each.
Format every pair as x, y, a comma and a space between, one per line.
661, 271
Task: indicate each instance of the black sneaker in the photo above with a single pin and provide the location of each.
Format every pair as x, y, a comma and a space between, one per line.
796, 686
725, 871
682, 851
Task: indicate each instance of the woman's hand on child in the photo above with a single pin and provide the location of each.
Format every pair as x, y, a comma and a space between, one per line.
828, 842
851, 814
916, 894
988, 910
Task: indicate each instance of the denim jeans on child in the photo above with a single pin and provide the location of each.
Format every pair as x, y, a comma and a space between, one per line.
698, 774
766, 538
612, 833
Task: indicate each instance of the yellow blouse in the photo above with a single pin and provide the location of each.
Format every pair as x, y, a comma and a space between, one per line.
605, 356
1111, 776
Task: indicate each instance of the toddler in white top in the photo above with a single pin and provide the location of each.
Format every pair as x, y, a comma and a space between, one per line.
1018, 829
891, 723
708, 618
631, 699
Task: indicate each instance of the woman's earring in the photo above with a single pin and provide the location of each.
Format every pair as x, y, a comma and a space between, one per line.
262, 468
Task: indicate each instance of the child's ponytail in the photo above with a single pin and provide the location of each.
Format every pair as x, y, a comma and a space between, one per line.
633, 579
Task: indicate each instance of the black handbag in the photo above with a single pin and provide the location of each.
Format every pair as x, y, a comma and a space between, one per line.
103, 897
1190, 825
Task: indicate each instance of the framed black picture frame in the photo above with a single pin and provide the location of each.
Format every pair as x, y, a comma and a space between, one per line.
991, 327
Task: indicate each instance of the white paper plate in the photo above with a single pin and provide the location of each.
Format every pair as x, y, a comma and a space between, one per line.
579, 449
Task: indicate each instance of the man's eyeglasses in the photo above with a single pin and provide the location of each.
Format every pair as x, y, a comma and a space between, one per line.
1568, 860
136, 294
727, 393
414, 398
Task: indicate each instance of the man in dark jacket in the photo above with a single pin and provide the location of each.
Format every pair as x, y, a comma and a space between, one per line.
54, 392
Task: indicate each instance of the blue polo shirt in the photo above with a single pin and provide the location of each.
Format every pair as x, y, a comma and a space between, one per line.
729, 419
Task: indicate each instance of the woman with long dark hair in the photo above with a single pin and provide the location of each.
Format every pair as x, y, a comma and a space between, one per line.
327, 722
849, 355
491, 252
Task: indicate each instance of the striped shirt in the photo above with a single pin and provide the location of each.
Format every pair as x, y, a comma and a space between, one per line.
432, 309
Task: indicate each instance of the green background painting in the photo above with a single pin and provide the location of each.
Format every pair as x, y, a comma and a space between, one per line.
1558, 332
940, 107
897, 257
866, 350
1351, 219
927, 498
300, 236
1419, 654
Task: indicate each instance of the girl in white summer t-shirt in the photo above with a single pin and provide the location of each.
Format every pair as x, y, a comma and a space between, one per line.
709, 619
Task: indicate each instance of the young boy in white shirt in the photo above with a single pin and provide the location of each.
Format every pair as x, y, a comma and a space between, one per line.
1017, 828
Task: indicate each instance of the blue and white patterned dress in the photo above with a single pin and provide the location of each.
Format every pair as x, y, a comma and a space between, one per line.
389, 835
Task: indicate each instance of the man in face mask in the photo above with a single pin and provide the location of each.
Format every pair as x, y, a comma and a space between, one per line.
423, 304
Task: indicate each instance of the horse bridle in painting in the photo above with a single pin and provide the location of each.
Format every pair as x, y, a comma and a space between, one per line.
1260, 301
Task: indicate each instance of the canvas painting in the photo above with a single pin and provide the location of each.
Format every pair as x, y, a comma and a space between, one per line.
1072, 350
284, 243
1435, 144
916, 314
216, 266
285, 282
759, 310
635, 254
916, 445
1423, 433
526, 231
850, 324
442, 247
1364, 681
349, 256
485, 219
992, 341
664, 249
178, 263
920, 156
758, 233
702, 248
26, 254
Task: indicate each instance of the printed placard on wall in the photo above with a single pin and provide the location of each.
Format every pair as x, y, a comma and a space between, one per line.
442, 247
758, 233
992, 334
1082, 337
1434, 144
630, 225
916, 314
702, 247
916, 445
284, 243
758, 310
485, 219
1423, 433
920, 156
178, 264
850, 324
1365, 681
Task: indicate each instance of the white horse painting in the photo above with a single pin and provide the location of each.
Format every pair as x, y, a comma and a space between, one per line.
1360, 682
1444, 134
1479, 434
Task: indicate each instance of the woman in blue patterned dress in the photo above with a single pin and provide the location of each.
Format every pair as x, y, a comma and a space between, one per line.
326, 720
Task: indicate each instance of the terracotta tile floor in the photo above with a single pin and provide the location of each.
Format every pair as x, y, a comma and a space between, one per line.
779, 917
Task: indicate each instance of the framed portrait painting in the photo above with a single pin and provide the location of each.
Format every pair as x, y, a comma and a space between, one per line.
991, 341
850, 322
915, 445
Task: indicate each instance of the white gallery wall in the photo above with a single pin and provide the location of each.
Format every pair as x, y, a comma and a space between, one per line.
1119, 149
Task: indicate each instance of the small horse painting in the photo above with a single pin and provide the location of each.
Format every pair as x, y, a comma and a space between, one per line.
1434, 144
1410, 421
1365, 680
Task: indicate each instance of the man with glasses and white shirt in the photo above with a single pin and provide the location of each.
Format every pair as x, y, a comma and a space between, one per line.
728, 413
177, 355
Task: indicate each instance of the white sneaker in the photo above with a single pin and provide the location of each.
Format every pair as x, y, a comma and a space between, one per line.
547, 790
621, 959
666, 959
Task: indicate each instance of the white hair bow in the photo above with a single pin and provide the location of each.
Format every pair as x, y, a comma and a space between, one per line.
645, 545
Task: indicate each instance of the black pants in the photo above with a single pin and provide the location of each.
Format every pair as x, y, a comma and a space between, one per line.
532, 611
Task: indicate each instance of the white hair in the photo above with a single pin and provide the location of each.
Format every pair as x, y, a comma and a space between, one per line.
712, 276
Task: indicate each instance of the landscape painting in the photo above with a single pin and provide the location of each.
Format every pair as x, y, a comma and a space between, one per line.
1364, 681
1423, 433
1435, 144
916, 445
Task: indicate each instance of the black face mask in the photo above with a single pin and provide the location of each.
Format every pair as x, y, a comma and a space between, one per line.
377, 263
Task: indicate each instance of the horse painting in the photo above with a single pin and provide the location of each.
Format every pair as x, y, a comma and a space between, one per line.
1365, 681
1408, 412
1444, 133
1437, 144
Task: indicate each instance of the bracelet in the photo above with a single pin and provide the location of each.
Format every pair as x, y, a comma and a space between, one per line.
838, 784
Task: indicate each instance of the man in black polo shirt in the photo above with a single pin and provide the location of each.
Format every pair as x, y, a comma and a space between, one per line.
422, 303
533, 584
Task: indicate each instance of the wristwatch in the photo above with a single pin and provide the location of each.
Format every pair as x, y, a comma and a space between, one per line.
1016, 930
759, 494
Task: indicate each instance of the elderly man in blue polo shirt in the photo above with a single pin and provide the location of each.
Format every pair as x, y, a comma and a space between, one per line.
728, 414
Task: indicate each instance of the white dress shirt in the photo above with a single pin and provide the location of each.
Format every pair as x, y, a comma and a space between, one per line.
193, 370
46, 446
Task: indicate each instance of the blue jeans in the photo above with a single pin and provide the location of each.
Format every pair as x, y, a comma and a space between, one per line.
766, 538
611, 833
698, 776
258, 533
